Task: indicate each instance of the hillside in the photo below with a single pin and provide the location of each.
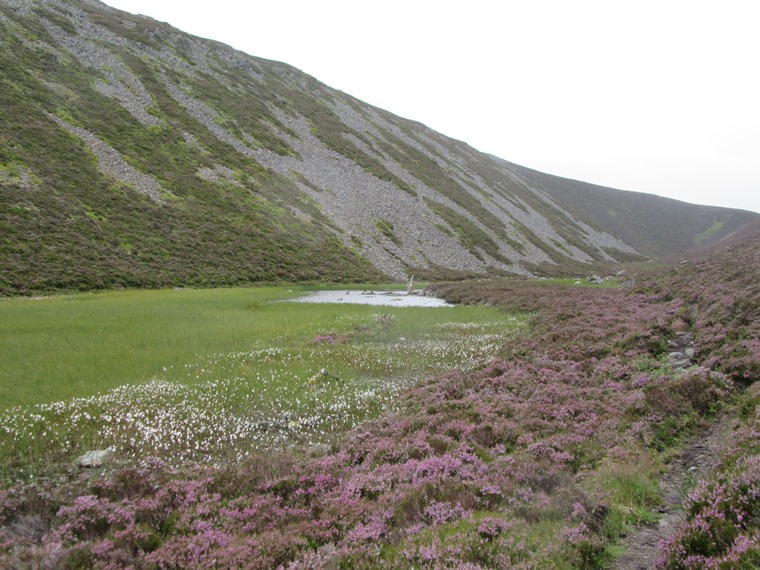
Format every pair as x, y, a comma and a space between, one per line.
133, 154
652, 225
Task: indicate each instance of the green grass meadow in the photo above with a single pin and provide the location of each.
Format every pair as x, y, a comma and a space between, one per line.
60, 347
212, 374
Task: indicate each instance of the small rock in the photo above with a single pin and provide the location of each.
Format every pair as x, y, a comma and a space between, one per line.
678, 360
95, 458
322, 376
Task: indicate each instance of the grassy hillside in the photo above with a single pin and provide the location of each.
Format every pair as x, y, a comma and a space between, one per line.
65, 224
134, 155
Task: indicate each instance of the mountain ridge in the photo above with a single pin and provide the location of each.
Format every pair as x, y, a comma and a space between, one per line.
133, 154
597, 202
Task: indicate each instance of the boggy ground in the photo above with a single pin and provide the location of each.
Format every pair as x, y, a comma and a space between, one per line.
209, 376
543, 458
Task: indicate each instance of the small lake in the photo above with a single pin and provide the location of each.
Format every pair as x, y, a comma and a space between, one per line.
390, 298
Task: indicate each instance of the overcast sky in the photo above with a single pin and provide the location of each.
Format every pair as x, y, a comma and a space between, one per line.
658, 96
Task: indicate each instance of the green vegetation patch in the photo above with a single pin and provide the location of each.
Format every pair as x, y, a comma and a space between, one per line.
210, 374
469, 234
710, 232
386, 228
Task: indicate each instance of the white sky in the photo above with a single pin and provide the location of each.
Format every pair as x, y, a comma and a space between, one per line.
658, 96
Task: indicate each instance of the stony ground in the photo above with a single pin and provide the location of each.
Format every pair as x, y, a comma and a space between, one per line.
697, 460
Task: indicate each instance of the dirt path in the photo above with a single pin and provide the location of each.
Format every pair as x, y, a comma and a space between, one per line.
695, 461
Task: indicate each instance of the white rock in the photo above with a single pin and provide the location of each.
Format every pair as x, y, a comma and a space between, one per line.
95, 458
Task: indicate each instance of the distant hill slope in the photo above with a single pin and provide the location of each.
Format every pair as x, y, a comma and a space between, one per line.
133, 154
652, 225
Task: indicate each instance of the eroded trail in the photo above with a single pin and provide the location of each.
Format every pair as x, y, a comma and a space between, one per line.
696, 461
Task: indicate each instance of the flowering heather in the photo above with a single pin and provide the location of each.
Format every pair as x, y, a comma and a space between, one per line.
537, 458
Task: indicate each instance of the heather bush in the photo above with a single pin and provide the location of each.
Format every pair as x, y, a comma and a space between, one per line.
539, 458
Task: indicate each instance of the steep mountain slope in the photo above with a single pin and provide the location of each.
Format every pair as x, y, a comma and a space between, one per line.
132, 154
